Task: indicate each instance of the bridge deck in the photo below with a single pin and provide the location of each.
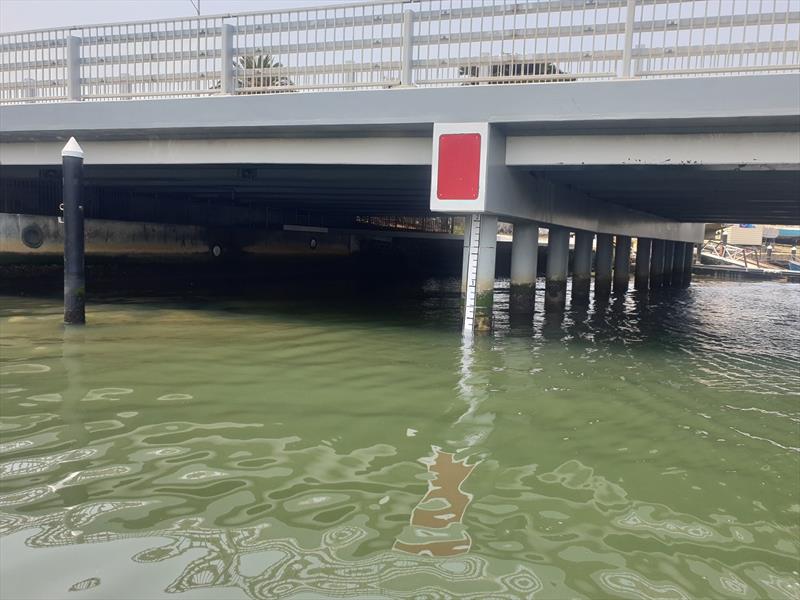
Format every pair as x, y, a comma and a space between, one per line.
696, 149
712, 104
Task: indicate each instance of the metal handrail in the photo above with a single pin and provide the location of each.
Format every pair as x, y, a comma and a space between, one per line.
731, 252
390, 43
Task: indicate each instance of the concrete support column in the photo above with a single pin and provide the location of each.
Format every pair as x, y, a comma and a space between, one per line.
622, 264
524, 259
669, 255
555, 297
677, 265
582, 268
642, 274
477, 274
603, 260
657, 264
688, 261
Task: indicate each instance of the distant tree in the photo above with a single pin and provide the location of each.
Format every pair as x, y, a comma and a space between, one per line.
251, 76
250, 72
520, 69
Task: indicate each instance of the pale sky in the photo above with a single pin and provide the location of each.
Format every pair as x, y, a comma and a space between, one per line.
18, 15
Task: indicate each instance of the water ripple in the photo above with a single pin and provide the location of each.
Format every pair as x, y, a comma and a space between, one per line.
638, 449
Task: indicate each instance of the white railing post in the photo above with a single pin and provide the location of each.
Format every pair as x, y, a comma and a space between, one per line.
407, 51
73, 67
627, 52
227, 83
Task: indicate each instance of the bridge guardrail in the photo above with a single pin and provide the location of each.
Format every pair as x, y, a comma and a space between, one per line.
392, 43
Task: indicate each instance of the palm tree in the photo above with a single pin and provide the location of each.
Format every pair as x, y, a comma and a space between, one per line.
250, 73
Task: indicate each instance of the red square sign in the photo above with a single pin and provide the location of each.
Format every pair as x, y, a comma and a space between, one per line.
459, 166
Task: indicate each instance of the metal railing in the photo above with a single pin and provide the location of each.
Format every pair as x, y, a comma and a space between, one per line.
390, 43
746, 256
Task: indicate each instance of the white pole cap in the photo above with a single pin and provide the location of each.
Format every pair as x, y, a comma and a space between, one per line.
73, 148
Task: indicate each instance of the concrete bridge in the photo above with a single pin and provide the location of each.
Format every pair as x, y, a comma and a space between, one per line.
648, 136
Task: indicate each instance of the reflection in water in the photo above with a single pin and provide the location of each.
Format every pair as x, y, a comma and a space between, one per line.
74, 492
436, 527
639, 449
630, 585
437, 521
283, 568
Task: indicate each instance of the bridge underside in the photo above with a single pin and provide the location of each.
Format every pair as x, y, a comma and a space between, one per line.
682, 193
692, 193
306, 173
325, 190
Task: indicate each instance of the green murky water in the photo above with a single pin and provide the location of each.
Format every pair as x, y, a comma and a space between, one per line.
353, 445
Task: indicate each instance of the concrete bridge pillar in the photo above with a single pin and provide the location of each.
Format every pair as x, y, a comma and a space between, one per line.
642, 273
603, 260
688, 261
622, 264
669, 255
677, 265
555, 297
524, 259
657, 264
582, 267
477, 271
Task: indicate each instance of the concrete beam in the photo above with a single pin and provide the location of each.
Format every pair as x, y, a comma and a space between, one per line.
515, 194
36, 235
538, 199
734, 150
314, 151
745, 103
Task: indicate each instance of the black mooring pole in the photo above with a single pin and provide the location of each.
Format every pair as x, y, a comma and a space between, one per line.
74, 280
